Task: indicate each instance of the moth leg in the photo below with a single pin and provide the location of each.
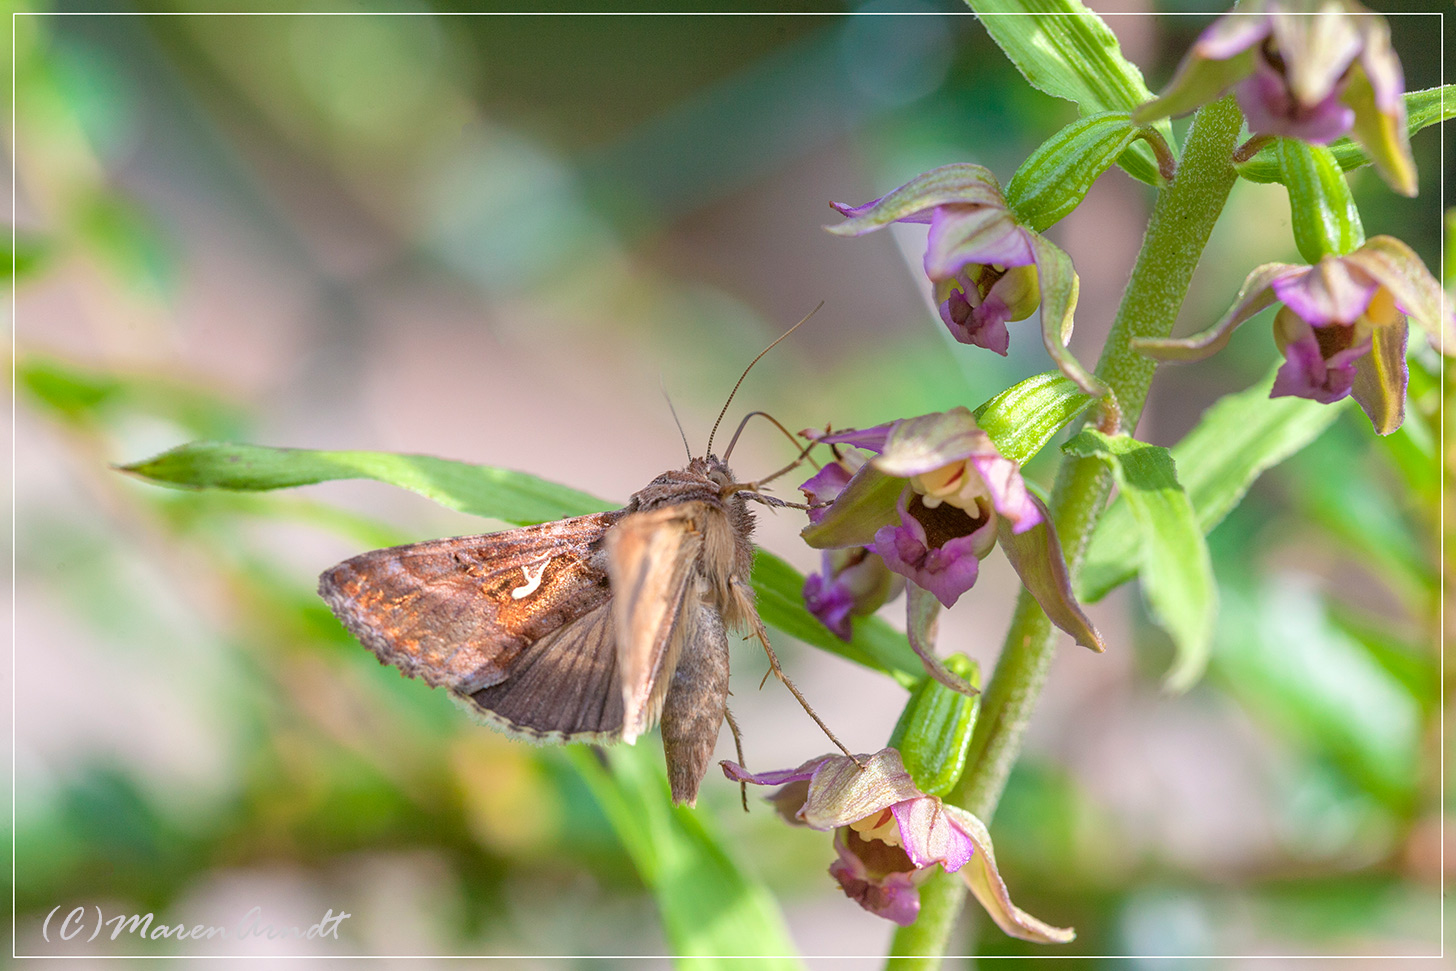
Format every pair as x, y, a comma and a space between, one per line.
778, 672
737, 747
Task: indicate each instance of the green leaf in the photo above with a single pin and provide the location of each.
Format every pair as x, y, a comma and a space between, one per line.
875, 644
1056, 177
711, 909
1174, 565
1321, 208
1065, 50
1024, 417
1423, 109
511, 497
1237, 439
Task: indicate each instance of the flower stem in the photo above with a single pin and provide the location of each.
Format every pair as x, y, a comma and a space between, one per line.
1182, 220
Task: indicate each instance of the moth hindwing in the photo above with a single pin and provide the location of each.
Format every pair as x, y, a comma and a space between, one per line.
588, 629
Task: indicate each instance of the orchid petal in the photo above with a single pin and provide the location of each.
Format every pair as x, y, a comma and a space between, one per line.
738, 773
852, 582
920, 445
829, 601
1008, 490
892, 895
1233, 33
947, 571
929, 834
1270, 110
960, 183
922, 617
1381, 377
962, 235
1375, 95
1037, 558
1254, 296
986, 884
1058, 281
1333, 291
842, 792
983, 325
866, 504
1018, 292
1397, 268
1315, 50
1307, 371
872, 439
1222, 57
824, 486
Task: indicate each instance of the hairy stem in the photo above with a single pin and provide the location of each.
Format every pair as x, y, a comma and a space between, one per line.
1179, 229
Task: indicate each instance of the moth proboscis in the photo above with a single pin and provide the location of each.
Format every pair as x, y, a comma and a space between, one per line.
588, 629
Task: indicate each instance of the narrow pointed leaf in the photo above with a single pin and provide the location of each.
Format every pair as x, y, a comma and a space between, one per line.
1176, 571
512, 497
1024, 417
1237, 439
1065, 50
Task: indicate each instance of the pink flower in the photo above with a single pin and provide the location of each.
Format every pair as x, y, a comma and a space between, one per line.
890, 836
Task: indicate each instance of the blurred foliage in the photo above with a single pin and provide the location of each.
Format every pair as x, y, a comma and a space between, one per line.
553, 164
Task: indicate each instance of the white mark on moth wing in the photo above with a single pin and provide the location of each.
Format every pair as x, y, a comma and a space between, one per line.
533, 580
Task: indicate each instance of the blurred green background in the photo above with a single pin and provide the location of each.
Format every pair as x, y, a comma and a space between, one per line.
491, 239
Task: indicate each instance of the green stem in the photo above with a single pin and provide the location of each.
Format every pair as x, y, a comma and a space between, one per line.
1179, 229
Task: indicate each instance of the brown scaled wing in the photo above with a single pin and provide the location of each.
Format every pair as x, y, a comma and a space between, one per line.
517, 622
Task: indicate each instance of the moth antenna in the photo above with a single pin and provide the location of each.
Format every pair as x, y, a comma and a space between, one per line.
753, 414
750, 368
686, 447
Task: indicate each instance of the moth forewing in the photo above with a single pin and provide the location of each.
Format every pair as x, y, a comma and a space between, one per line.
652, 560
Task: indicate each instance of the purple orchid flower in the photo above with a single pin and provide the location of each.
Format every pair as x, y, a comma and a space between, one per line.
934, 501
1342, 328
889, 836
985, 267
1308, 69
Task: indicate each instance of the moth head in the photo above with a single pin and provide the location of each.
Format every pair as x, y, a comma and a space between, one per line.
716, 471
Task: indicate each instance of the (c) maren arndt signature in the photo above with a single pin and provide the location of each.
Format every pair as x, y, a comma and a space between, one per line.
76, 924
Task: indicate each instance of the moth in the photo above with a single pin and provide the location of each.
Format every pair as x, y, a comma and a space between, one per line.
589, 629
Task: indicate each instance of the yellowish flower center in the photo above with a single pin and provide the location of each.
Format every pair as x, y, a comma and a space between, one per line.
1382, 311
958, 484
881, 826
